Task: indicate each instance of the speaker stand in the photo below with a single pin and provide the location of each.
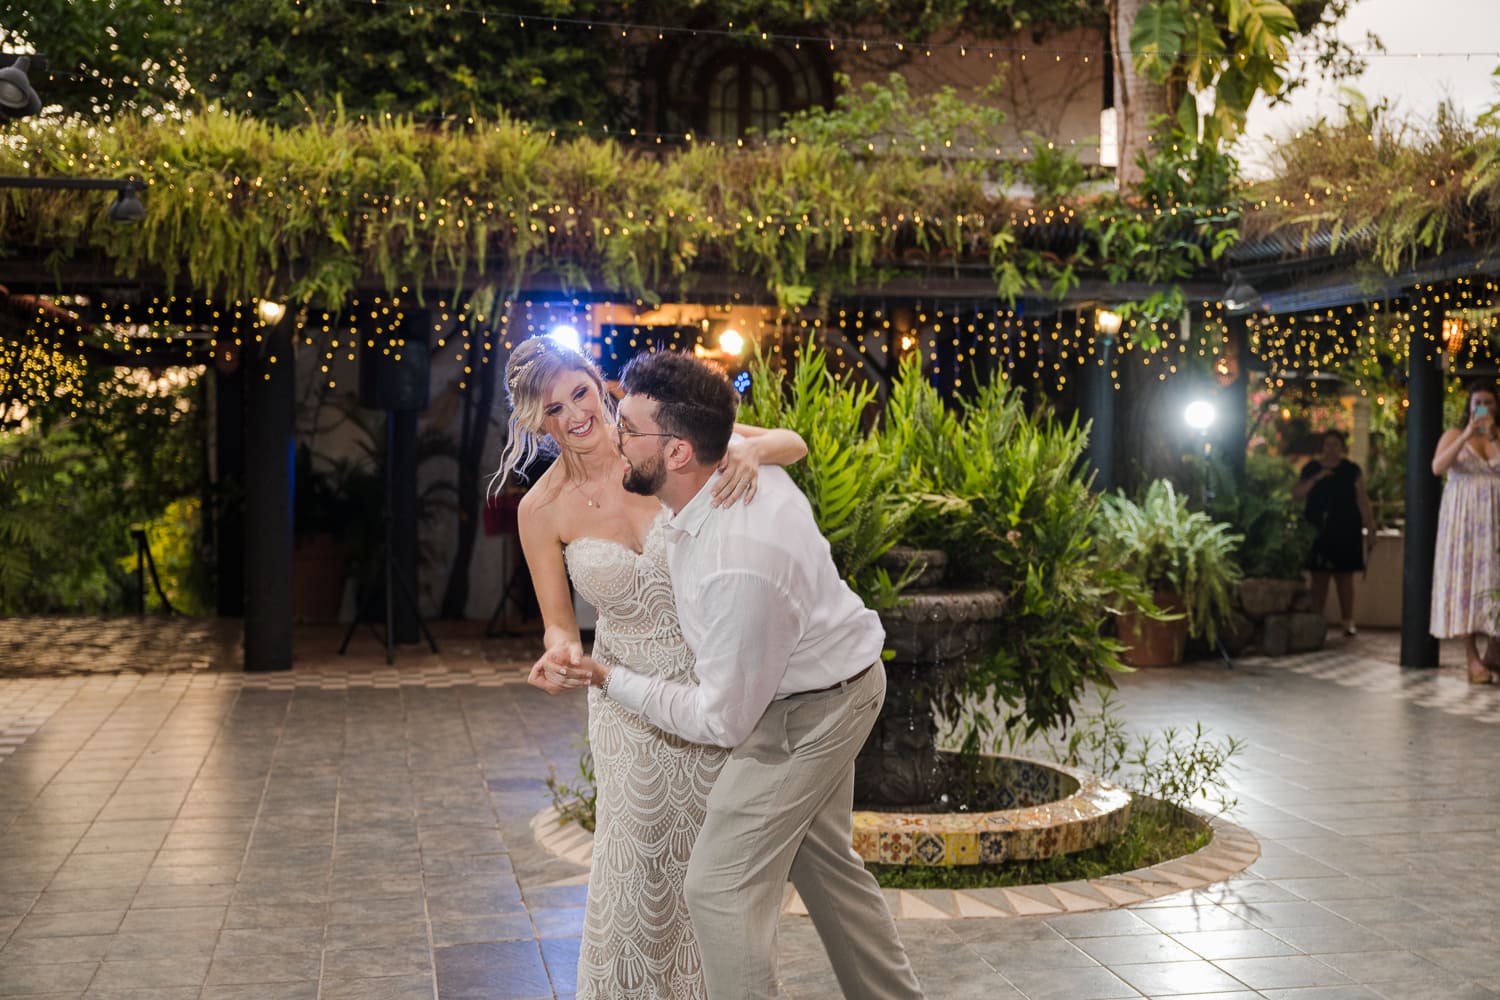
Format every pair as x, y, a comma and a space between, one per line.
507, 596
395, 579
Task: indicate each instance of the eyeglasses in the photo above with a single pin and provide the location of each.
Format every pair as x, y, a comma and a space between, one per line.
622, 432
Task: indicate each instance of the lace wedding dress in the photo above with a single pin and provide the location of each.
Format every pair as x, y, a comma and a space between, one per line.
637, 941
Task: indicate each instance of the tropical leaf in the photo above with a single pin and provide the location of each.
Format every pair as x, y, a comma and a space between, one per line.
1156, 38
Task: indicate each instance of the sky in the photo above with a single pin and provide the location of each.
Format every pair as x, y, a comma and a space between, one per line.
1435, 49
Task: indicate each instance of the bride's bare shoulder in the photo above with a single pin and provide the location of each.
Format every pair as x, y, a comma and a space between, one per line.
543, 493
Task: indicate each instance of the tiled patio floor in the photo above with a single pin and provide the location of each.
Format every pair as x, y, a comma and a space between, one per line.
356, 831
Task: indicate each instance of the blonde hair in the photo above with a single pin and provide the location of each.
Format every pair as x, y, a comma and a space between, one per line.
532, 366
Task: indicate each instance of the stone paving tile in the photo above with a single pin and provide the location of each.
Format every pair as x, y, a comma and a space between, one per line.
43, 647
356, 830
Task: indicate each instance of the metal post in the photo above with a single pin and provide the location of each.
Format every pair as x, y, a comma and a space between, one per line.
1424, 425
1099, 407
1236, 398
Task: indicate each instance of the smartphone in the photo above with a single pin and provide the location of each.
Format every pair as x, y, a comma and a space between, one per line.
1480, 410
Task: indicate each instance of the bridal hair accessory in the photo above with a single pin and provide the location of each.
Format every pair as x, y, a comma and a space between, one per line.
544, 346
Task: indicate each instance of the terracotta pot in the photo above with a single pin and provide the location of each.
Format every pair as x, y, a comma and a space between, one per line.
318, 567
1150, 643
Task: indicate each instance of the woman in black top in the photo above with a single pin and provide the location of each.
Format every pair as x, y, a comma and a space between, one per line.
1339, 508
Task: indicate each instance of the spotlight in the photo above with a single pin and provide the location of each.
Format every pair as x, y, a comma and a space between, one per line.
1199, 415
732, 342
17, 96
567, 334
1241, 295
127, 206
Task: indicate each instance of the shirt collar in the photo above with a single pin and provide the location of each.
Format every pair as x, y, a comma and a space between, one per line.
688, 521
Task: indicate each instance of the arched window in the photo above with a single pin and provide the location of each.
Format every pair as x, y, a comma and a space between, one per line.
743, 98
726, 91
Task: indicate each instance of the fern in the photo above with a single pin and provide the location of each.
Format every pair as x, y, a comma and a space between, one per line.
1168, 547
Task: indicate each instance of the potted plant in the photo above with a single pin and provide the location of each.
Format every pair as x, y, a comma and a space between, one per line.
1183, 557
329, 500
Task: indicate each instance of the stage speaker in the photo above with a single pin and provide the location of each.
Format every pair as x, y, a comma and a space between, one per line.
386, 383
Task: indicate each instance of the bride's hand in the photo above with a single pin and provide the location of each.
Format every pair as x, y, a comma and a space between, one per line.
560, 669
739, 471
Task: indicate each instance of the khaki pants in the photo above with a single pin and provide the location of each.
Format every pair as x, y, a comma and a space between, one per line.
782, 808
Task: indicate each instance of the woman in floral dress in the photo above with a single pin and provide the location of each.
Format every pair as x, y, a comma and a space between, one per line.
1466, 568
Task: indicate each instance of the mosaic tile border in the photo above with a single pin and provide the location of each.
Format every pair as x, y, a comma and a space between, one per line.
1231, 851
1095, 812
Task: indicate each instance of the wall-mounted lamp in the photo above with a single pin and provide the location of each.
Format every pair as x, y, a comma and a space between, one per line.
127, 206
732, 342
18, 98
1454, 332
1107, 322
270, 312
1241, 295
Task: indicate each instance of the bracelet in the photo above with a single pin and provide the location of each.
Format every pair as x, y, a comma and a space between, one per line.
604, 684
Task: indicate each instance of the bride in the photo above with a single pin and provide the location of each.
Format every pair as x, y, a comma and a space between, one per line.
578, 522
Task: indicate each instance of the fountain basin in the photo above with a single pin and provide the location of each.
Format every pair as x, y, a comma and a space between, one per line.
1057, 810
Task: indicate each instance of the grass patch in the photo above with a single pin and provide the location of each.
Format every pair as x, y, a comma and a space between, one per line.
1157, 832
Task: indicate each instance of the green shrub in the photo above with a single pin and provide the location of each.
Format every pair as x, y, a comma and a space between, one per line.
1274, 535
850, 479
1001, 491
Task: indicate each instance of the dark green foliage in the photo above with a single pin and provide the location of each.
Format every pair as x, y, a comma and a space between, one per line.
281, 59
1003, 493
65, 530
1258, 507
102, 55
849, 477
71, 487
998, 489
176, 544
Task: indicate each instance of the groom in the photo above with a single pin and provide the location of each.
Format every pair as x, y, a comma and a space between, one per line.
790, 679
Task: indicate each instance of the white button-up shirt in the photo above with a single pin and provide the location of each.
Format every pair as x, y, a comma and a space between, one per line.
763, 609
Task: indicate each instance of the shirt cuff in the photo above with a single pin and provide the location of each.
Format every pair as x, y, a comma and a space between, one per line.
628, 689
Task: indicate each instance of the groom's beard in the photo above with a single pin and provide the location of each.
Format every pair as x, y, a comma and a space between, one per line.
646, 479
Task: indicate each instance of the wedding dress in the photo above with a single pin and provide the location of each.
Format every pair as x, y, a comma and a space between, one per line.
638, 943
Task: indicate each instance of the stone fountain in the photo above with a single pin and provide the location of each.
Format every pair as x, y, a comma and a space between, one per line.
902, 781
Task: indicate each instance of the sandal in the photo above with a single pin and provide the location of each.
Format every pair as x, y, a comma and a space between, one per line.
1480, 674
